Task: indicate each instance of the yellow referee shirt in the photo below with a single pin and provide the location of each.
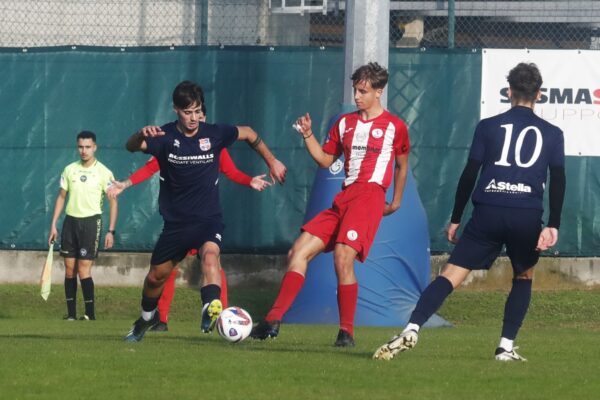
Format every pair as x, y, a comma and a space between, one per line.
86, 187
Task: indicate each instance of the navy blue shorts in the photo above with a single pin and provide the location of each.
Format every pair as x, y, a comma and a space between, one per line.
492, 227
177, 239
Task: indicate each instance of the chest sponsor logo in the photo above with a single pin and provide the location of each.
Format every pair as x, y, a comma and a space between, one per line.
506, 187
361, 135
204, 144
191, 159
377, 133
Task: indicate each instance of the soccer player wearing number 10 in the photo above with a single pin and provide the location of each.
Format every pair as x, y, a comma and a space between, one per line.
514, 151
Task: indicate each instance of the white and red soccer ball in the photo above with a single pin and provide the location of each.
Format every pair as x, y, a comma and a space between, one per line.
234, 324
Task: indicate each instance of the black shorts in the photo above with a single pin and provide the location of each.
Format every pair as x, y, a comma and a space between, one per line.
492, 227
177, 239
80, 237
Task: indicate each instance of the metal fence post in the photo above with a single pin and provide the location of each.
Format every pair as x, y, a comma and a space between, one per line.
451, 23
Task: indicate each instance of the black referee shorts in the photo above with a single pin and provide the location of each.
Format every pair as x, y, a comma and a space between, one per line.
490, 228
80, 237
177, 238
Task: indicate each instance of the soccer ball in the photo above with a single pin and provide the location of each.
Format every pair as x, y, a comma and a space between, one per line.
234, 324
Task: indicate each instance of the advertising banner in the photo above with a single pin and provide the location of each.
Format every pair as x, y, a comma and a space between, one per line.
570, 94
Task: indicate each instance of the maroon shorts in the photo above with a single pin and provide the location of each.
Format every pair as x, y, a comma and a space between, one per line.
353, 218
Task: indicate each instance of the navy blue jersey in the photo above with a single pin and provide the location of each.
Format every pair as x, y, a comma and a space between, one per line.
189, 170
515, 148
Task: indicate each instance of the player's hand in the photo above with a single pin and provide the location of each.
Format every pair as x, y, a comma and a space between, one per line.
53, 235
277, 171
151, 131
451, 232
115, 189
390, 208
548, 238
304, 125
109, 241
259, 184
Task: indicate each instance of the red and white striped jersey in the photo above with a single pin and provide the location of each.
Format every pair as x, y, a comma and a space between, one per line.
369, 147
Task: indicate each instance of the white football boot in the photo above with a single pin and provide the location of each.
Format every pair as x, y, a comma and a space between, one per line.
503, 355
399, 343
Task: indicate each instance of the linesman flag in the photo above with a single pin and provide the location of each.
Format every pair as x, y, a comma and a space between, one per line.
46, 279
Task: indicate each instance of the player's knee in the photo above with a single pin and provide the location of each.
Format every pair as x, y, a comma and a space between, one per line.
209, 260
524, 277
295, 254
343, 260
155, 279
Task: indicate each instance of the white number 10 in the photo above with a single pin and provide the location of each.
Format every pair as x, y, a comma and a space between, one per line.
508, 129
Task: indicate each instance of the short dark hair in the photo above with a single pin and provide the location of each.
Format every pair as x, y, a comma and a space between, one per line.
87, 135
186, 94
525, 81
373, 73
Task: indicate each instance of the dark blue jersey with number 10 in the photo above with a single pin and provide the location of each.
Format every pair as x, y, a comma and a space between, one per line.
189, 170
516, 148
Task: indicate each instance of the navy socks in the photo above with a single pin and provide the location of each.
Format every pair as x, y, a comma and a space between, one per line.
431, 300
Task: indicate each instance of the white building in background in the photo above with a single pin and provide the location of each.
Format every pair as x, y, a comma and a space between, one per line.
125, 23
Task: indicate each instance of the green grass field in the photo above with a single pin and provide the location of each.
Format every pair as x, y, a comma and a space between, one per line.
43, 357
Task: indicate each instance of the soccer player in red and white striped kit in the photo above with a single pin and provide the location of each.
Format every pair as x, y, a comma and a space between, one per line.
375, 146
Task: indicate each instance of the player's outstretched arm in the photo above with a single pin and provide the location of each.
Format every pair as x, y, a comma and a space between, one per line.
58, 207
400, 173
117, 187
137, 141
259, 183
304, 127
277, 169
231, 171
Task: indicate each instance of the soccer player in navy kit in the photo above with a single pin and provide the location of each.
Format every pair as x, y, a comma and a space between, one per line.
514, 151
188, 152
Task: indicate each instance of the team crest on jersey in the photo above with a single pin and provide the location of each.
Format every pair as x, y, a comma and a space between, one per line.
204, 144
83, 178
377, 133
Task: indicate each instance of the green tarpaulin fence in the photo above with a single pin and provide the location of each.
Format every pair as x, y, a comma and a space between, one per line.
48, 95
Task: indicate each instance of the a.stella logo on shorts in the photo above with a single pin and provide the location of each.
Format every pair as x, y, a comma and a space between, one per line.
507, 187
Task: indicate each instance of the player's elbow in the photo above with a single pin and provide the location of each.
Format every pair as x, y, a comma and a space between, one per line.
324, 161
130, 147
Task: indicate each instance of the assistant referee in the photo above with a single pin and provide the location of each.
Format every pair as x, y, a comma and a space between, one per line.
86, 181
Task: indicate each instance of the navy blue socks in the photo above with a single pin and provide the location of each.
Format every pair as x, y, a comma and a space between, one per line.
431, 300
516, 307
